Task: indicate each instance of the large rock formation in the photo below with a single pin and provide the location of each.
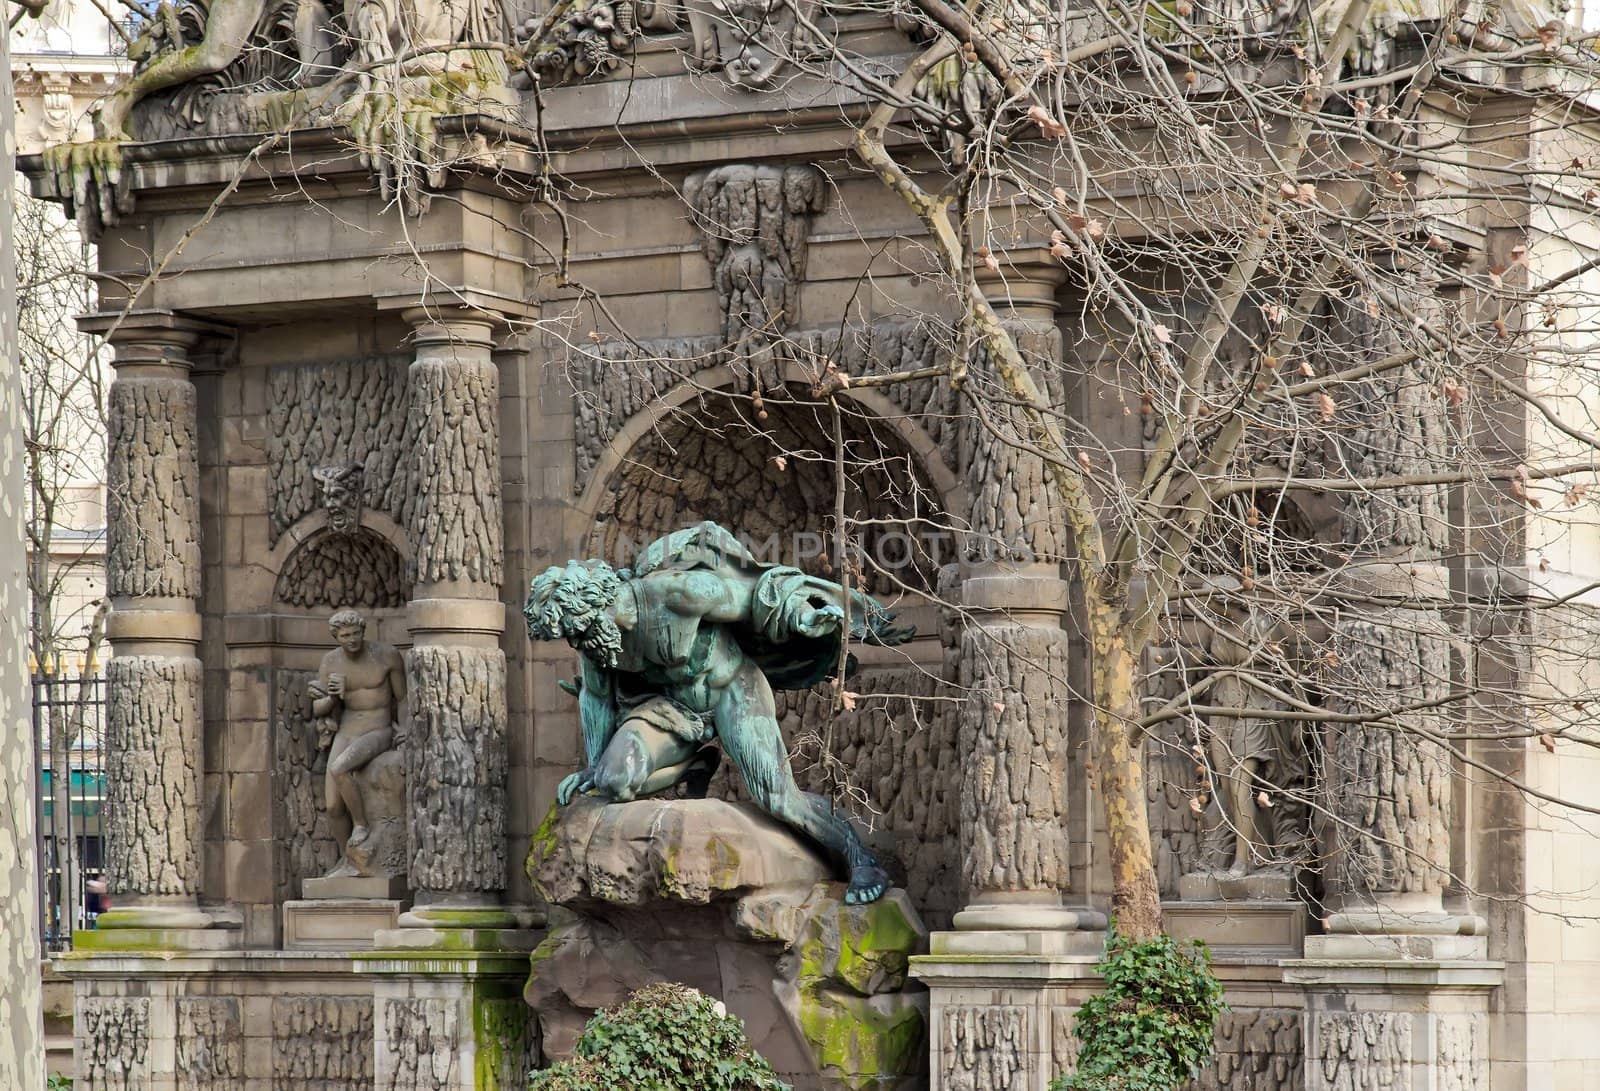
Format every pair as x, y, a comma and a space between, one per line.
718, 896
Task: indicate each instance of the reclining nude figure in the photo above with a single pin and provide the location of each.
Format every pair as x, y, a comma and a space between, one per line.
687, 648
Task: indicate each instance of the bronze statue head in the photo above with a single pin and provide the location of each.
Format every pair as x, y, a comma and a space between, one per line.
570, 602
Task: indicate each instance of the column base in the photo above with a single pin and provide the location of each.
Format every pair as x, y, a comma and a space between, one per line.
1005, 1001
179, 925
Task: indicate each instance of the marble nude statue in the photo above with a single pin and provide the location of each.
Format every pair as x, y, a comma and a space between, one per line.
361, 685
684, 651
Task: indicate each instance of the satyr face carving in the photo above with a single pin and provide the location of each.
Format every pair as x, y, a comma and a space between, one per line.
339, 487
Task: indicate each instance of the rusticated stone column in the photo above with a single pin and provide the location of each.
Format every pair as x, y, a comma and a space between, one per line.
996, 1018
153, 760
1397, 988
456, 745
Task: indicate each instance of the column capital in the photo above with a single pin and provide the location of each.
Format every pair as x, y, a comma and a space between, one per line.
1026, 283
152, 338
453, 323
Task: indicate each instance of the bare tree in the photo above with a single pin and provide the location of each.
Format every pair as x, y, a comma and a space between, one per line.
64, 422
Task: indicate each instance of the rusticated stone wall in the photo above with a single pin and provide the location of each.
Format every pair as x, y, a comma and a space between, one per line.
153, 774
209, 1044
337, 412
321, 1043
456, 768
303, 837
152, 489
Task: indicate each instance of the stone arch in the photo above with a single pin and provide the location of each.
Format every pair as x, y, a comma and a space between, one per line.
699, 453
879, 431
317, 569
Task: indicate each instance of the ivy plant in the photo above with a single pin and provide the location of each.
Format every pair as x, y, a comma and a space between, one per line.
1155, 1023
665, 1037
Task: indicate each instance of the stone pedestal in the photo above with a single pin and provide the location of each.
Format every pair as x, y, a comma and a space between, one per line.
1416, 1021
720, 897
1002, 1005
337, 924
1258, 929
448, 1009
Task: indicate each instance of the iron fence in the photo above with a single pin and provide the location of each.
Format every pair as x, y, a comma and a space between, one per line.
68, 725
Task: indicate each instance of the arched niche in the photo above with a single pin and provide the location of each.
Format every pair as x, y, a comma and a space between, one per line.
702, 453
319, 569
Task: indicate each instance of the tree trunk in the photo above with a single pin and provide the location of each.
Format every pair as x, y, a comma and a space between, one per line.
1119, 774
59, 725
21, 1027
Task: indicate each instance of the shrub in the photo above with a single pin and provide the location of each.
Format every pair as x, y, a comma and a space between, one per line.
665, 1037
1155, 1023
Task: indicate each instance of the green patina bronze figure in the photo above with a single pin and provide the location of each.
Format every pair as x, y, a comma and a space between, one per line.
683, 651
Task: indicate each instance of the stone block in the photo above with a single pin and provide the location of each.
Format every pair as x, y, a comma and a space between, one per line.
337, 924
691, 851
348, 887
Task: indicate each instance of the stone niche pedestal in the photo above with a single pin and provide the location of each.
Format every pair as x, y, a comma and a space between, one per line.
1392, 1008
720, 897
1255, 916
343, 912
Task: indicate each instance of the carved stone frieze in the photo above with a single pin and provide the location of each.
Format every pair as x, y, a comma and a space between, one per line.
1360, 1051
1461, 1052
755, 221
153, 774
111, 1040
508, 1034
423, 1038
1258, 1049
337, 413
984, 1048
322, 1043
456, 768
210, 1044
152, 489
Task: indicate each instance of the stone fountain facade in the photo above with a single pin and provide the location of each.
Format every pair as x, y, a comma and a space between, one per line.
361, 384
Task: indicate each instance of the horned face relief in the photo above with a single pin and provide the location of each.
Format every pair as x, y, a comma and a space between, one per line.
339, 488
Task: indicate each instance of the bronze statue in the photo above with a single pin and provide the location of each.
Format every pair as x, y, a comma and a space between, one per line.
687, 648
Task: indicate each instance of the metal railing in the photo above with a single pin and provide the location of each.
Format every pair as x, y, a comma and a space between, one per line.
69, 710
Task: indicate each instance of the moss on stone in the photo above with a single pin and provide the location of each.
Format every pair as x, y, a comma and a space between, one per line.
861, 1040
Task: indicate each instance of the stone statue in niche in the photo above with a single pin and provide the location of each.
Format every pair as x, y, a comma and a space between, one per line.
1254, 766
359, 694
339, 488
686, 649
